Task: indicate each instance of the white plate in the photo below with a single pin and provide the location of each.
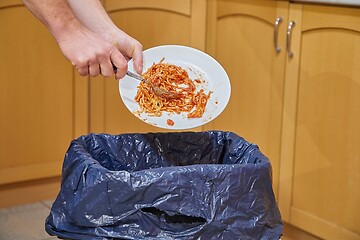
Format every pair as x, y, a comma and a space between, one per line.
198, 65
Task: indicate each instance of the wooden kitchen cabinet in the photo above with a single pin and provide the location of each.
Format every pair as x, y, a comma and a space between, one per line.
38, 98
240, 35
153, 23
319, 187
303, 111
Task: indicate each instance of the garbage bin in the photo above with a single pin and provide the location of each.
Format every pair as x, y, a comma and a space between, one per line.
178, 185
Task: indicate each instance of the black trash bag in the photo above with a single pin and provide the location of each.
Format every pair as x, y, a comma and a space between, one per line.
206, 185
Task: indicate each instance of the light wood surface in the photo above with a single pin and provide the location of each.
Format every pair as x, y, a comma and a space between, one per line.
29, 192
37, 98
30, 171
240, 36
303, 112
289, 121
81, 105
10, 3
176, 6
320, 181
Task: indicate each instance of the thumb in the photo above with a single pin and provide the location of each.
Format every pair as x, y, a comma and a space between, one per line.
138, 59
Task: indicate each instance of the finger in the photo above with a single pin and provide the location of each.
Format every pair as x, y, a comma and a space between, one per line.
94, 70
120, 63
138, 58
83, 71
106, 68
132, 49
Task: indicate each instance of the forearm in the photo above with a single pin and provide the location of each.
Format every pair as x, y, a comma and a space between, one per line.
93, 15
56, 15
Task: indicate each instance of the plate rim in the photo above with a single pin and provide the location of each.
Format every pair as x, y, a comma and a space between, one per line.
174, 127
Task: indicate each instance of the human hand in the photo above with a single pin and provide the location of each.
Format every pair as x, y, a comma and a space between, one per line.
93, 55
87, 36
128, 46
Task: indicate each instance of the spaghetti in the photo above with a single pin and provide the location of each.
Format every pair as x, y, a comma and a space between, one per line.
175, 80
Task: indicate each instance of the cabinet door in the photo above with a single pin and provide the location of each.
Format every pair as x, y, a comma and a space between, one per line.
320, 180
37, 95
241, 37
152, 23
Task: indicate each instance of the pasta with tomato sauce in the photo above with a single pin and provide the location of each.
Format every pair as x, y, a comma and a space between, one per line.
175, 80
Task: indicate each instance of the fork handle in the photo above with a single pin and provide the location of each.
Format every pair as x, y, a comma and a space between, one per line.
138, 77
133, 75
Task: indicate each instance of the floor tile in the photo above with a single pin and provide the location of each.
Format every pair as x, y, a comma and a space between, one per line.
24, 222
27, 222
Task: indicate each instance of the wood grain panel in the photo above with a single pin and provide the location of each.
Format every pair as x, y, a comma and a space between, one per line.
29, 192
334, 17
289, 117
242, 41
30, 172
327, 154
319, 184
10, 3
182, 7
320, 227
261, 9
36, 94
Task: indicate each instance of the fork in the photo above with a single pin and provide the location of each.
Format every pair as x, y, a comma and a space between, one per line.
158, 91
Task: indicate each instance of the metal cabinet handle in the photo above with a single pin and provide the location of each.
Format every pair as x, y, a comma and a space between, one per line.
288, 39
276, 33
